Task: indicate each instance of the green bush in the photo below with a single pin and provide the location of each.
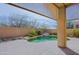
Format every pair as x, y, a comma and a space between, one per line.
33, 33
76, 32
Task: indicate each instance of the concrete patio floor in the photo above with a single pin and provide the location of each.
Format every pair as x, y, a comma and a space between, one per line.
23, 47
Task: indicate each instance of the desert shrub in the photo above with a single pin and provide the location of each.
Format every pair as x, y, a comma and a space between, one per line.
40, 31
70, 32
33, 33
76, 32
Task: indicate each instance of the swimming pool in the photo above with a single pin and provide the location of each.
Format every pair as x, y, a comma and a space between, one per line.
43, 38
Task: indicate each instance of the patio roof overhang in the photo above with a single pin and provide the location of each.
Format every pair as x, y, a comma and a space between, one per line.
58, 11
16, 5
51, 7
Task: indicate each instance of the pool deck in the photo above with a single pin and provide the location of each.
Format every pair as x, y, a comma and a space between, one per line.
23, 47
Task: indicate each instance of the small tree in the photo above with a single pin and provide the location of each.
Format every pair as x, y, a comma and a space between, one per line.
44, 26
18, 21
34, 23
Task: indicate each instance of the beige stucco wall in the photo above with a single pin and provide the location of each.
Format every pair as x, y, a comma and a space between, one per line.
13, 32
69, 31
51, 31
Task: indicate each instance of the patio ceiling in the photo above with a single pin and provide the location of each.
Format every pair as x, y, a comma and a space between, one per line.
27, 7
50, 6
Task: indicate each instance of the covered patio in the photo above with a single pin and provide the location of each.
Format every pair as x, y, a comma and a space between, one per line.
58, 11
60, 47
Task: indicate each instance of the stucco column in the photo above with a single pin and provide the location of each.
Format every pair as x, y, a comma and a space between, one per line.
61, 30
